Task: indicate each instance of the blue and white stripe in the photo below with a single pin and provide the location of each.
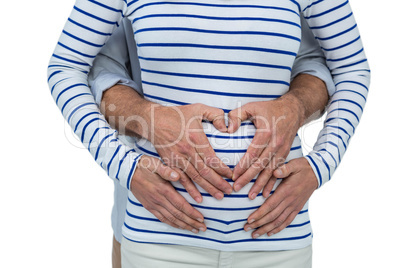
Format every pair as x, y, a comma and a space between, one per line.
223, 54
340, 40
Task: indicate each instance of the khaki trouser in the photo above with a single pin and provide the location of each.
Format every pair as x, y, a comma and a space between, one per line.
143, 255
116, 254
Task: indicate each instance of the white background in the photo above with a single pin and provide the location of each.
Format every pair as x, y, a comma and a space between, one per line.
56, 202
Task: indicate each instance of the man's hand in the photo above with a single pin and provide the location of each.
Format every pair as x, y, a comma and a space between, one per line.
179, 139
280, 209
177, 134
151, 186
276, 125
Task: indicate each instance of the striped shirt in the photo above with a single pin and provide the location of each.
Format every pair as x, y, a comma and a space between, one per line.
223, 54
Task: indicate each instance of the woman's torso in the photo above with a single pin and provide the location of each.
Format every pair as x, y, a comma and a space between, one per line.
223, 54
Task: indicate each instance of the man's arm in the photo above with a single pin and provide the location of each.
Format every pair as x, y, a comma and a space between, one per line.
116, 63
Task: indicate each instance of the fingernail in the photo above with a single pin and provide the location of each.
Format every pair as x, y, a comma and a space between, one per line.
203, 229
219, 196
248, 229
230, 127
256, 235
195, 231
200, 220
270, 234
236, 187
279, 172
253, 196
198, 200
174, 175
251, 221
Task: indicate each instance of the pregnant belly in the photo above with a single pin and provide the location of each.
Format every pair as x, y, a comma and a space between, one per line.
225, 218
230, 148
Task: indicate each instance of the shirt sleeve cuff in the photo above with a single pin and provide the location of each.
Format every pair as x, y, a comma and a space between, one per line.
316, 69
127, 170
321, 169
106, 80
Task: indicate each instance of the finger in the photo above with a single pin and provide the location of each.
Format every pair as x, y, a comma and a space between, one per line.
220, 124
212, 161
235, 117
268, 206
207, 154
210, 175
267, 228
215, 163
253, 170
264, 177
179, 218
166, 172
284, 170
189, 186
247, 176
262, 180
163, 219
286, 223
268, 188
257, 146
270, 217
182, 210
154, 165
167, 217
214, 115
193, 174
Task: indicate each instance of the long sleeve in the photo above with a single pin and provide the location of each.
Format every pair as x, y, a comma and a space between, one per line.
117, 63
311, 60
87, 29
334, 27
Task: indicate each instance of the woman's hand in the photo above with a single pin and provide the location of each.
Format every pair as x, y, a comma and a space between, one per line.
151, 186
279, 210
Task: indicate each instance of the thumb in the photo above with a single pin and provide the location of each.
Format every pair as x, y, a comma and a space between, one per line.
236, 116
216, 116
285, 170
166, 172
